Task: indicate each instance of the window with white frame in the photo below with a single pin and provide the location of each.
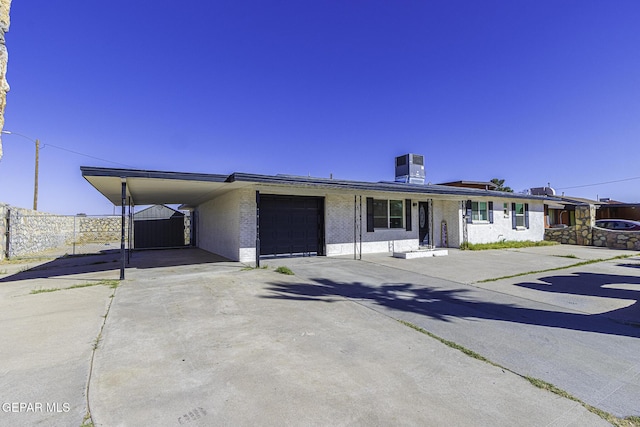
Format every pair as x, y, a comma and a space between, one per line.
479, 211
388, 213
520, 215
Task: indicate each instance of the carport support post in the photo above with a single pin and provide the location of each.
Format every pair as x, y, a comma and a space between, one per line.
257, 229
130, 231
122, 228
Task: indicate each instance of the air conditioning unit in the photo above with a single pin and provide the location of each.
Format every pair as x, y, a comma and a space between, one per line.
543, 191
410, 169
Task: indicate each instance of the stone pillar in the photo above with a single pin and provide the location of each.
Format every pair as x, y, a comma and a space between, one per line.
5, 5
585, 220
3, 230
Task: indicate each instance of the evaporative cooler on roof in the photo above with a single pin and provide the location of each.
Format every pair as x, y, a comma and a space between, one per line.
410, 169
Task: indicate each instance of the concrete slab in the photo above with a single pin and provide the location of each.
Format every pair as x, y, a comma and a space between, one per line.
195, 339
422, 253
573, 328
234, 348
47, 341
473, 266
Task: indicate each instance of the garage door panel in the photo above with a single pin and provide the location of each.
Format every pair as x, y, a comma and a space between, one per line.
291, 224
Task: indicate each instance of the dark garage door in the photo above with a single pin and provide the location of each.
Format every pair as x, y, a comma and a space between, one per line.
158, 233
291, 225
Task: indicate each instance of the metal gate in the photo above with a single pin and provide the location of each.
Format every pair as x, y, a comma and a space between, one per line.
291, 225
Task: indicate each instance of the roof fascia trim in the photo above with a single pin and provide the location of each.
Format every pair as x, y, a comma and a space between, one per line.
136, 173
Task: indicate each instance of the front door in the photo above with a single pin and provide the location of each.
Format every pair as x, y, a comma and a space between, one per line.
423, 215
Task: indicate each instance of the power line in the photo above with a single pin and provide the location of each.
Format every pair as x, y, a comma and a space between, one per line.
8, 132
86, 155
600, 183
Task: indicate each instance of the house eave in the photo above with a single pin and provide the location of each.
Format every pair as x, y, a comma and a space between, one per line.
146, 187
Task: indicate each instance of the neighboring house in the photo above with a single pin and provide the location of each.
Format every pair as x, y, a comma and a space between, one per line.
560, 211
242, 216
558, 215
481, 185
611, 209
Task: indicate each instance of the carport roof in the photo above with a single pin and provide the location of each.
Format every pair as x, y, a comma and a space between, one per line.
145, 187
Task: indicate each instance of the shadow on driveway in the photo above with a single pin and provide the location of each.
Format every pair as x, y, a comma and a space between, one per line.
597, 285
445, 305
111, 260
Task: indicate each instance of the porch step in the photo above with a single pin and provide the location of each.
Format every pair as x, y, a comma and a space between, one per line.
421, 253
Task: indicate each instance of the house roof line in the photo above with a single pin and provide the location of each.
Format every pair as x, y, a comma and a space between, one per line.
389, 186
295, 181
141, 173
465, 182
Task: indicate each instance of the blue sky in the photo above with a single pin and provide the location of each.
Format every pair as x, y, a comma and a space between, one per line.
533, 92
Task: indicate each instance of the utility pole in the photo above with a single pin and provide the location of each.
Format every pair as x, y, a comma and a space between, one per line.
35, 185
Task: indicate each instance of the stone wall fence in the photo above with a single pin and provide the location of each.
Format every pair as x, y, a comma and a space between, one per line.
616, 239
3, 231
585, 233
25, 232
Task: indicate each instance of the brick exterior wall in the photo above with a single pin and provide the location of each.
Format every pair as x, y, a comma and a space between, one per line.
227, 224
447, 212
502, 227
340, 215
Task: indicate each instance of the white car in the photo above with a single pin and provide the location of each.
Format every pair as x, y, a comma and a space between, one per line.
618, 224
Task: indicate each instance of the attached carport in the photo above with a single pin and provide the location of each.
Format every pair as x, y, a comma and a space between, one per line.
154, 187
282, 223
130, 187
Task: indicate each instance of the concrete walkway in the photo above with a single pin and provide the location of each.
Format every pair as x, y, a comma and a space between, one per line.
191, 339
46, 339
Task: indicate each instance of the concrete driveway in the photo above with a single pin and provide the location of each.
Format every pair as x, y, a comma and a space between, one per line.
577, 328
191, 339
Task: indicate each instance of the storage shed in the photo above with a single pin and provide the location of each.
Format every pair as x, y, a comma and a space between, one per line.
159, 226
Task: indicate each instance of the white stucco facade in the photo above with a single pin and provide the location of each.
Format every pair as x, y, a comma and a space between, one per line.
227, 223
502, 226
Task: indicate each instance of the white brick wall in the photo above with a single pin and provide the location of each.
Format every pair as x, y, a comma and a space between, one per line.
339, 226
227, 224
502, 228
247, 252
448, 211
